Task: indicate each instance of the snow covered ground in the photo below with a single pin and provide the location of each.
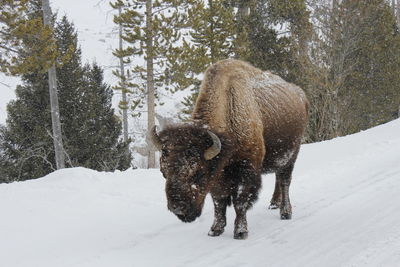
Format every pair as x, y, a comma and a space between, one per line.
345, 194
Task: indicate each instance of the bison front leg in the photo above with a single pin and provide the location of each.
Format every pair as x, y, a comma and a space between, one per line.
284, 177
246, 193
220, 204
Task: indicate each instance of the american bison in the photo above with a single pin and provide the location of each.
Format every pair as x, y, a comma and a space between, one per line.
245, 122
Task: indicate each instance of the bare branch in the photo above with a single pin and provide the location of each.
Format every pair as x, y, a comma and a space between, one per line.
9, 86
99, 3
9, 49
32, 153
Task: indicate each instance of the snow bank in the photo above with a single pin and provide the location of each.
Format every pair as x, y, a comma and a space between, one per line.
344, 193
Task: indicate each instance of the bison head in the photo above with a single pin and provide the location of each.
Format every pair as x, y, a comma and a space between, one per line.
187, 154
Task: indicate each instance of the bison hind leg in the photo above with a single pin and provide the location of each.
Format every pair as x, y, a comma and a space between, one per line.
276, 197
284, 177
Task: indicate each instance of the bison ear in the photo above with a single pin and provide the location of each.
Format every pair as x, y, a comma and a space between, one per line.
215, 149
155, 139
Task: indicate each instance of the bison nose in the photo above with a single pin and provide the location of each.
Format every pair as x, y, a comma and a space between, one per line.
178, 208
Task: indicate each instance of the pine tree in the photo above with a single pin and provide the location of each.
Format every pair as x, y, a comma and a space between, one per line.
209, 36
244, 29
26, 140
269, 48
398, 14
23, 36
371, 88
91, 131
95, 142
6, 165
325, 71
355, 64
26, 38
266, 50
150, 30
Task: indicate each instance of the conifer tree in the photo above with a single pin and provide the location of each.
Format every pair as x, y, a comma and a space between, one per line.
370, 90
398, 14
94, 143
150, 30
91, 131
244, 29
23, 36
269, 48
26, 139
210, 36
27, 45
6, 165
266, 50
353, 88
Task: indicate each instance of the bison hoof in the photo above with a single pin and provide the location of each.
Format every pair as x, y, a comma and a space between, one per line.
241, 235
273, 206
286, 216
215, 232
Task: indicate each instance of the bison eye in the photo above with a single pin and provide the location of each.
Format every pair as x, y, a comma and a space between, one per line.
164, 152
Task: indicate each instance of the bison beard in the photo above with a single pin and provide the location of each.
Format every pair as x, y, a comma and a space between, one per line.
245, 122
184, 207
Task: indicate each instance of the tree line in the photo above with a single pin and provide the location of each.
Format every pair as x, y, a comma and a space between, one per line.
90, 131
344, 54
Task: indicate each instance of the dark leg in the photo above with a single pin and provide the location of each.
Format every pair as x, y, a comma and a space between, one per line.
285, 176
276, 197
241, 231
247, 185
219, 224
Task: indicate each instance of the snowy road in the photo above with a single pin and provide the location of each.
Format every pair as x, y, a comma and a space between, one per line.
345, 197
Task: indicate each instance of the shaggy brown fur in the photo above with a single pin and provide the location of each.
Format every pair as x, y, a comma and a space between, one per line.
260, 120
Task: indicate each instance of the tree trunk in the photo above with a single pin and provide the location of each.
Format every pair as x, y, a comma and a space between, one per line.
243, 10
398, 12
151, 161
55, 113
123, 83
394, 8
334, 4
398, 113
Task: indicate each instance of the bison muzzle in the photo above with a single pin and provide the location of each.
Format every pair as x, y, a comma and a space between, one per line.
245, 122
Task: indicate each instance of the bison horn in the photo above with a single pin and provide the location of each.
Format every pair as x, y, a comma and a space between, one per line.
214, 150
155, 139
